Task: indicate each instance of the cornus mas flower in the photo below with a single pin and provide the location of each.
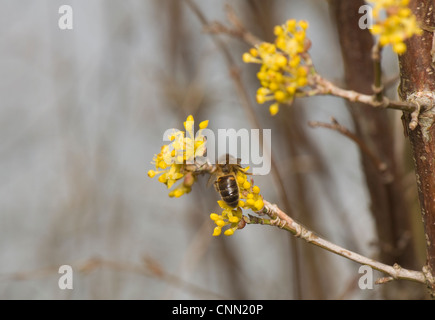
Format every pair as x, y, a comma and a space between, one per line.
176, 162
172, 161
399, 25
284, 66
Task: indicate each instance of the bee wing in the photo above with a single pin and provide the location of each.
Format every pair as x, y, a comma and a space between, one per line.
211, 180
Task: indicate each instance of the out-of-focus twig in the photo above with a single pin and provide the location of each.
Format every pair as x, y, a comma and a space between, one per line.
150, 268
378, 88
238, 30
391, 81
334, 125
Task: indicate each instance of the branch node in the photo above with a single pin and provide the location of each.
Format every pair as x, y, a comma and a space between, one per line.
384, 280
414, 117
335, 125
278, 222
377, 89
430, 280
397, 267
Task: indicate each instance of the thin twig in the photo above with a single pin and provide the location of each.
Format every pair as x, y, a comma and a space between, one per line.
237, 30
414, 117
391, 81
282, 220
384, 280
334, 125
325, 87
378, 87
322, 86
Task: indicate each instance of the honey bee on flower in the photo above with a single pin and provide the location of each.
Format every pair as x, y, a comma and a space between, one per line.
237, 193
176, 161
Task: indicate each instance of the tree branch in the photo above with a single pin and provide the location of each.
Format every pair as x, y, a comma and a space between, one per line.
325, 87
283, 221
322, 86
237, 31
417, 84
380, 165
378, 88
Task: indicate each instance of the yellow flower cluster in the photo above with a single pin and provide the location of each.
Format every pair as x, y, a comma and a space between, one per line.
172, 159
282, 70
229, 216
174, 163
399, 25
250, 198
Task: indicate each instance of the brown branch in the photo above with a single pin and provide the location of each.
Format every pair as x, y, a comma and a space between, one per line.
391, 81
334, 125
237, 31
283, 221
322, 86
417, 85
325, 87
389, 207
279, 218
378, 88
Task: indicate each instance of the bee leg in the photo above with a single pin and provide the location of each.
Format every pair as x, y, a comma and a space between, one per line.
216, 186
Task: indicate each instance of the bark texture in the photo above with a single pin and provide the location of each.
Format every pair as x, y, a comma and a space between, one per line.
418, 84
388, 204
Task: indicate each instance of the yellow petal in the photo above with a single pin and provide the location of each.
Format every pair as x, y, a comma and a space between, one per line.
229, 232
170, 183
203, 124
217, 231
273, 109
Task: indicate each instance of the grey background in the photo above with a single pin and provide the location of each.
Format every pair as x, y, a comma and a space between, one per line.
82, 113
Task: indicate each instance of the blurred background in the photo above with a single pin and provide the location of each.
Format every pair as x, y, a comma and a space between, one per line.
82, 113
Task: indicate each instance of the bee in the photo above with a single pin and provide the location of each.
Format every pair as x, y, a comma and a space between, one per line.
226, 181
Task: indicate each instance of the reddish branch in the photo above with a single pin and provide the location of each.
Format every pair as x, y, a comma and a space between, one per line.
372, 125
417, 84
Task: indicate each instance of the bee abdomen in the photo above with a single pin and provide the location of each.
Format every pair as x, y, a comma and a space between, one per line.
228, 190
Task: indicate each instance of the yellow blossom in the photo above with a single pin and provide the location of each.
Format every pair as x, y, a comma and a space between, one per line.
399, 25
171, 162
172, 165
281, 64
230, 218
